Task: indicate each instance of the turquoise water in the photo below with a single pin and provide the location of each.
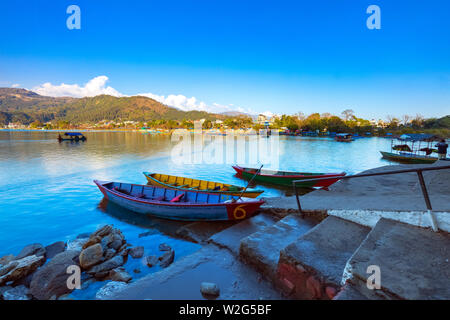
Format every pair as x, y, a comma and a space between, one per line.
47, 193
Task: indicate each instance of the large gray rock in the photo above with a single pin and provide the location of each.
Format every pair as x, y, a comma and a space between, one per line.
91, 256
113, 263
55, 248
17, 293
36, 249
51, 280
6, 259
110, 289
152, 261
102, 231
136, 252
19, 269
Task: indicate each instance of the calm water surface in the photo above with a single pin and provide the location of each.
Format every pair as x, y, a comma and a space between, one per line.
47, 193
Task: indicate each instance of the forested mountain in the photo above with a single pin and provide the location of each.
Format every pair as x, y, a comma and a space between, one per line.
20, 105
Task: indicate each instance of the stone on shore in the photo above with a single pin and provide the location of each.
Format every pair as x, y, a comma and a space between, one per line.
6, 259
51, 279
167, 258
109, 254
55, 248
152, 261
36, 249
102, 231
91, 256
76, 245
106, 266
17, 293
209, 289
164, 247
18, 269
136, 252
119, 274
91, 241
109, 289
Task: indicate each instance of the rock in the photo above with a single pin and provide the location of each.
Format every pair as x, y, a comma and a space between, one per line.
136, 252
18, 269
109, 254
55, 248
109, 289
17, 293
102, 231
164, 247
209, 289
106, 241
25, 281
108, 265
152, 261
137, 270
119, 274
91, 241
36, 249
116, 244
91, 256
7, 268
51, 279
148, 233
6, 259
76, 245
83, 235
167, 258
3, 290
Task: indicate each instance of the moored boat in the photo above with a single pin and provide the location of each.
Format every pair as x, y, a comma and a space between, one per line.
72, 136
178, 205
343, 137
286, 178
189, 184
412, 148
408, 157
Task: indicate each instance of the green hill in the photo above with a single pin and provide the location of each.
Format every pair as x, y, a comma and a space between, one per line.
20, 105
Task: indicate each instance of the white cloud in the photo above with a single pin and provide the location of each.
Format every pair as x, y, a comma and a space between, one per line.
97, 86
15, 85
94, 87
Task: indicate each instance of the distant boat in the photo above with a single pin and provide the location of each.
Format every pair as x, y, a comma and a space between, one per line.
72, 136
178, 205
285, 178
189, 184
343, 137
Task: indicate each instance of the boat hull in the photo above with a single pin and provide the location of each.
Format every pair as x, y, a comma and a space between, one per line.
181, 211
286, 180
407, 159
155, 182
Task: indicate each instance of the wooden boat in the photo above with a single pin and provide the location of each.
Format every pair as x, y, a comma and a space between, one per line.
343, 137
412, 148
189, 184
285, 178
72, 136
408, 158
178, 205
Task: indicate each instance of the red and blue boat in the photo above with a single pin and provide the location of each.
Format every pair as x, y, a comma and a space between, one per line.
178, 204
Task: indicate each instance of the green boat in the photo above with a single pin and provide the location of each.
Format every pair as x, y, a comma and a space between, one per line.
285, 178
412, 148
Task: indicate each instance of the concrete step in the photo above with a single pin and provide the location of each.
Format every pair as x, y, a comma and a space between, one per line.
262, 248
312, 266
231, 237
414, 262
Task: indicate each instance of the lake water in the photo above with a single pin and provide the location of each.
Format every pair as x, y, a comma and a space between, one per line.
47, 193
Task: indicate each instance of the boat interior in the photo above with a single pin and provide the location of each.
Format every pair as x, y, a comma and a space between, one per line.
195, 184
152, 193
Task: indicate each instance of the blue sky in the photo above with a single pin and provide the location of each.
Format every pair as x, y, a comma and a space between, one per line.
278, 56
